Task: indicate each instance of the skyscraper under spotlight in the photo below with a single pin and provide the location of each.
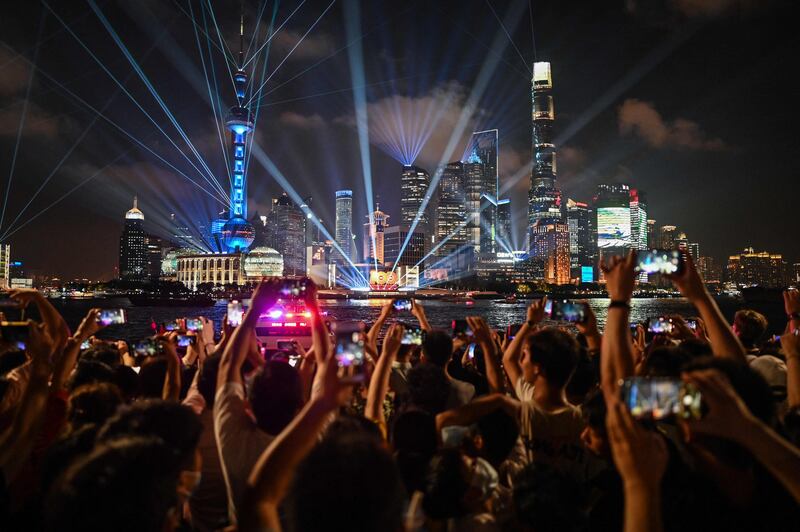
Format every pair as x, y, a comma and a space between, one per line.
344, 225
544, 197
133, 260
414, 185
451, 214
287, 235
482, 186
374, 233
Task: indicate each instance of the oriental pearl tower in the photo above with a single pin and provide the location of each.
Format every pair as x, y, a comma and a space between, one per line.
237, 234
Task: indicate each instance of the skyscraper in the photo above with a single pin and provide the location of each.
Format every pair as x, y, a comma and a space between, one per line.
612, 205
581, 241
638, 207
373, 232
414, 184
544, 198
451, 214
482, 185
694, 250
652, 235
393, 239
502, 235
344, 224
155, 248
289, 236
133, 246
667, 236
5, 265
551, 251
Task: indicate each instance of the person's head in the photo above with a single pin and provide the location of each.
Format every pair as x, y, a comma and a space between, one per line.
550, 354
494, 436
275, 396
347, 482
594, 435
93, 403
749, 326
125, 485
88, 372
152, 373
207, 379
102, 352
413, 439
428, 388
549, 500
177, 425
437, 347
127, 380
665, 361
457, 484
63, 452
584, 380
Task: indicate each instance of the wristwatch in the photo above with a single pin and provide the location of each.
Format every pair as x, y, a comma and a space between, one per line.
619, 304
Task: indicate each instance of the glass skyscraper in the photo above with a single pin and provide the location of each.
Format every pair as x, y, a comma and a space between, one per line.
133, 263
544, 198
581, 240
451, 211
612, 206
482, 184
344, 224
286, 230
414, 184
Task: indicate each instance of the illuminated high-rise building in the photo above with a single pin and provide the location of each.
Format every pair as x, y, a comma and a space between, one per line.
550, 251
414, 184
667, 237
287, 235
709, 269
237, 234
638, 206
451, 214
393, 238
133, 264
503, 236
612, 206
344, 225
373, 233
482, 187
751, 268
652, 234
544, 197
155, 250
581, 241
5, 265
694, 250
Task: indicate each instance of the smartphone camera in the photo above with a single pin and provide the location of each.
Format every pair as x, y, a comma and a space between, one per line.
235, 313
85, 345
194, 324
412, 335
184, 340
401, 304
512, 330
663, 261
174, 325
147, 347
111, 316
349, 351
460, 327
293, 288
660, 325
569, 311
661, 397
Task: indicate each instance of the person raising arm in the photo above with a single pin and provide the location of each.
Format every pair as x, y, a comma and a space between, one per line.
616, 353
511, 357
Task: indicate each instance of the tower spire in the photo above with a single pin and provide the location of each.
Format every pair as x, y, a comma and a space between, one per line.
241, 35
135, 202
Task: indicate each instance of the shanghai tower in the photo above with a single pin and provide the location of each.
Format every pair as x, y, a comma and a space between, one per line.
544, 197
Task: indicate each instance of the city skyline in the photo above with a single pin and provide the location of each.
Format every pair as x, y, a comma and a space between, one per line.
689, 138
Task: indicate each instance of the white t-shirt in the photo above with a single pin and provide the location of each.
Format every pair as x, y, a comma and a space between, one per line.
239, 440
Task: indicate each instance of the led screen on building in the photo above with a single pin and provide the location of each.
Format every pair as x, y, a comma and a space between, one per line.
613, 227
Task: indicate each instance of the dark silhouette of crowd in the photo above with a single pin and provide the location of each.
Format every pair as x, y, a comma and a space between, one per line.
530, 430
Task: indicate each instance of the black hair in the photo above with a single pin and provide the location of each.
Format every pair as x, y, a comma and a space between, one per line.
665, 361
437, 346
499, 432
207, 379
177, 425
126, 485
107, 354
341, 469
127, 380
93, 403
585, 378
549, 500
445, 486
152, 373
556, 352
64, 451
88, 372
594, 411
275, 395
428, 388
414, 441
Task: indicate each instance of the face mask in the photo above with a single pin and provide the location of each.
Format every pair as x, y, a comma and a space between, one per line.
484, 478
189, 482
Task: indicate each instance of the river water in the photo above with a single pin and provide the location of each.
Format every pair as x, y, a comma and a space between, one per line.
440, 313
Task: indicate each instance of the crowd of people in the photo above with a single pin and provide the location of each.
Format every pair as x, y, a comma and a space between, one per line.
479, 432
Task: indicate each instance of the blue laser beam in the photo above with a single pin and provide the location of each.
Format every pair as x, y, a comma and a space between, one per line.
272, 34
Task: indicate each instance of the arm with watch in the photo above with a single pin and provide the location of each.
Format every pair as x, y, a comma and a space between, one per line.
513, 352
790, 343
616, 352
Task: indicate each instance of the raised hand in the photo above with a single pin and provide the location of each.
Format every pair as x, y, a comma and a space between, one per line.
589, 326
89, 326
25, 296
639, 454
480, 330
689, 281
40, 346
680, 330
536, 310
791, 303
620, 274
727, 415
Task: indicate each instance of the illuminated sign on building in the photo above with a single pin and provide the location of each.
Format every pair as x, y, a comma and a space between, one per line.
587, 274
613, 227
383, 280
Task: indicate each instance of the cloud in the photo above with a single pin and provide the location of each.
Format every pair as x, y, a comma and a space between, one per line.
38, 122
15, 73
292, 119
314, 46
641, 119
691, 8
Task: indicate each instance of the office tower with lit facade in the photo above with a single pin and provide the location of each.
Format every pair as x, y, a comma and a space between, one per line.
582, 243
393, 238
344, 225
287, 235
155, 251
373, 234
638, 204
544, 197
133, 246
694, 250
414, 184
612, 206
668, 236
710, 270
451, 214
482, 187
551, 251
652, 234
5, 266
503, 237
751, 268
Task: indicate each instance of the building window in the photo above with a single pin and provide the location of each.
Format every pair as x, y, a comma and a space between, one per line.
238, 152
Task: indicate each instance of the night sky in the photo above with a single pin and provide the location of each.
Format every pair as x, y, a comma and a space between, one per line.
691, 101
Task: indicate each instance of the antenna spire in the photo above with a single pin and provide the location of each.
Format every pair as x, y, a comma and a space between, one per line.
241, 34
